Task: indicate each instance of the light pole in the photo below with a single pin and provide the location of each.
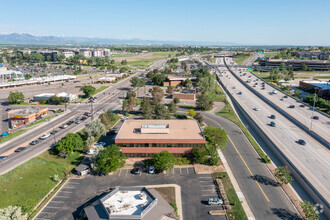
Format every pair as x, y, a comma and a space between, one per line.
315, 88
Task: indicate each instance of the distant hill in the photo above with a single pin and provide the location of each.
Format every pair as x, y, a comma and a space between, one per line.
28, 38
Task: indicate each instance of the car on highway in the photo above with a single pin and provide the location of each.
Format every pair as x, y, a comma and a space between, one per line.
70, 122
78, 121
34, 142
214, 201
53, 132
239, 93
8, 109
136, 170
2, 158
88, 114
20, 149
291, 106
272, 124
302, 106
273, 117
45, 136
315, 117
301, 142
83, 118
256, 109
274, 91
285, 96
151, 169
64, 126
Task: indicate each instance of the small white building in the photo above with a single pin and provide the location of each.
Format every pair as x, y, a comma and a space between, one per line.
47, 96
68, 54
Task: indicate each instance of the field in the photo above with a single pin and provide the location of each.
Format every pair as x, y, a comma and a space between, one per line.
241, 58
270, 54
27, 184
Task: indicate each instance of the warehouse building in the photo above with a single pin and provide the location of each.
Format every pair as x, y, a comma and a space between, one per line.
143, 138
47, 96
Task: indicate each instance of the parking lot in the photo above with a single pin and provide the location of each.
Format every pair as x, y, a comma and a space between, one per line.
76, 193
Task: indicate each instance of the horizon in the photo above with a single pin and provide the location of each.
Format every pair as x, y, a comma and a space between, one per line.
243, 23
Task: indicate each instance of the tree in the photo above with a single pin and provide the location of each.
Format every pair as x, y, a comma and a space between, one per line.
304, 67
191, 113
309, 210
16, 97
160, 111
90, 140
12, 213
69, 143
137, 82
172, 107
146, 108
129, 104
95, 128
123, 62
176, 100
184, 66
169, 90
157, 93
48, 58
27, 76
110, 159
57, 100
88, 90
163, 160
158, 79
60, 58
204, 102
199, 117
198, 154
282, 65
283, 174
216, 136
188, 84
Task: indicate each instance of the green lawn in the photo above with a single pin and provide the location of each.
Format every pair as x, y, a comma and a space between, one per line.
237, 211
27, 184
322, 77
12, 135
239, 59
270, 54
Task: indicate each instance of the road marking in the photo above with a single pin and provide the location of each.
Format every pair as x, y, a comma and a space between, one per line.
243, 161
57, 201
126, 172
119, 172
188, 171
180, 170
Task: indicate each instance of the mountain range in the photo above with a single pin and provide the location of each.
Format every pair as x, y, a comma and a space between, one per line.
28, 38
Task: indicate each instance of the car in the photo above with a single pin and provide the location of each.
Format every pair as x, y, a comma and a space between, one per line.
8, 109
239, 93
78, 118
315, 117
45, 136
214, 201
274, 91
301, 142
234, 87
2, 158
281, 99
20, 149
64, 126
302, 106
78, 121
291, 106
256, 109
70, 122
151, 170
34, 142
83, 118
272, 124
136, 170
124, 117
88, 114
285, 96
273, 117
53, 132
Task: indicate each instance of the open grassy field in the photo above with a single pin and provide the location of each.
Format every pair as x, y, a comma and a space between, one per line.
270, 54
239, 59
27, 184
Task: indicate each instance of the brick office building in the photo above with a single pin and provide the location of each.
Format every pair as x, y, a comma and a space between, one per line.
142, 138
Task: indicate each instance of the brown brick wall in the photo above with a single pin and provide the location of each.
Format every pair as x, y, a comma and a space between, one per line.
184, 96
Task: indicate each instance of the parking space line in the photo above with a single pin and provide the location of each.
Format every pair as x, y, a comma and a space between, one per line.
119, 172
126, 172
62, 191
56, 201
52, 207
68, 187
180, 170
188, 170
61, 196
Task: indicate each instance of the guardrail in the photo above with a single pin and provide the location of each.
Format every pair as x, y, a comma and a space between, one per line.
313, 134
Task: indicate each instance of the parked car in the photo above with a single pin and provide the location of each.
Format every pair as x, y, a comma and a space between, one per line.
285, 96
302, 106
272, 124
83, 118
20, 149
291, 106
239, 93
70, 122
302, 142
8, 109
45, 136
151, 169
64, 126
256, 109
78, 121
214, 201
316, 117
124, 117
274, 91
136, 170
273, 117
2, 158
34, 142
53, 132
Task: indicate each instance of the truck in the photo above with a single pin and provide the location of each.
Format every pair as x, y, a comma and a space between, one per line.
215, 201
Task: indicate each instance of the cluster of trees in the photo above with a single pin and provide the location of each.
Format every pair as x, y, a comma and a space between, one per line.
68, 144
16, 97
283, 73
137, 82
56, 100
283, 174
322, 104
88, 90
129, 102
157, 77
110, 159
108, 118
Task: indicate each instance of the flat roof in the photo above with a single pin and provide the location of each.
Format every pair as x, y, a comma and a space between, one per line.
299, 61
325, 85
27, 111
180, 131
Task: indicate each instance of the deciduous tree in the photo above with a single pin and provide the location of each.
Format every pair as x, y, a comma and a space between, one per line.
163, 160
283, 174
110, 159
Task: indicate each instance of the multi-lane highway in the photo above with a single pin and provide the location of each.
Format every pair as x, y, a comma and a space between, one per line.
311, 160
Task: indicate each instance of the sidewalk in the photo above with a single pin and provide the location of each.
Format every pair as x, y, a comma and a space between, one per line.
238, 191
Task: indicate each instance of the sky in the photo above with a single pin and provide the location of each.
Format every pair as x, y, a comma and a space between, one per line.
247, 22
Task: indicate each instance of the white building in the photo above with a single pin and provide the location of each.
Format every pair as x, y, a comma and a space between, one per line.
86, 53
106, 52
97, 53
47, 96
68, 54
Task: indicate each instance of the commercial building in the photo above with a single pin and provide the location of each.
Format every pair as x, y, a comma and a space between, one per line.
86, 53
68, 54
107, 79
312, 55
129, 203
143, 138
10, 74
177, 79
19, 117
188, 94
315, 65
47, 96
322, 87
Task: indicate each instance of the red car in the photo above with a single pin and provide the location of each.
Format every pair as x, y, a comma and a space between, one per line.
303, 106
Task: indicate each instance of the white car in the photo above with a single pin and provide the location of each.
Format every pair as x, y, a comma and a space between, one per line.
274, 91
44, 136
124, 117
256, 109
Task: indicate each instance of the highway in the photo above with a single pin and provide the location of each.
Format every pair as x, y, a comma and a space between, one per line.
306, 159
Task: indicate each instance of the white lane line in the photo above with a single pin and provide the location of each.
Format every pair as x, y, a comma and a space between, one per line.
56, 201
119, 172
126, 172
180, 170
188, 171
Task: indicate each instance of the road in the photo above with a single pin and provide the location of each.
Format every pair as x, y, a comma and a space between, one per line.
306, 159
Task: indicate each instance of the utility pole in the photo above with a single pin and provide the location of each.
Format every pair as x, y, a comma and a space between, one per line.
315, 88
92, 111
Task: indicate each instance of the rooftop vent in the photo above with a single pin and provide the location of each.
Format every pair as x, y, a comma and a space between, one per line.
155, 129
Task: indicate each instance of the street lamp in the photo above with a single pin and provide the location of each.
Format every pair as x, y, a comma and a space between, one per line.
315, 88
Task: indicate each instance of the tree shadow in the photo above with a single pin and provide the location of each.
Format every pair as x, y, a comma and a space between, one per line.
265, 180
285, 214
